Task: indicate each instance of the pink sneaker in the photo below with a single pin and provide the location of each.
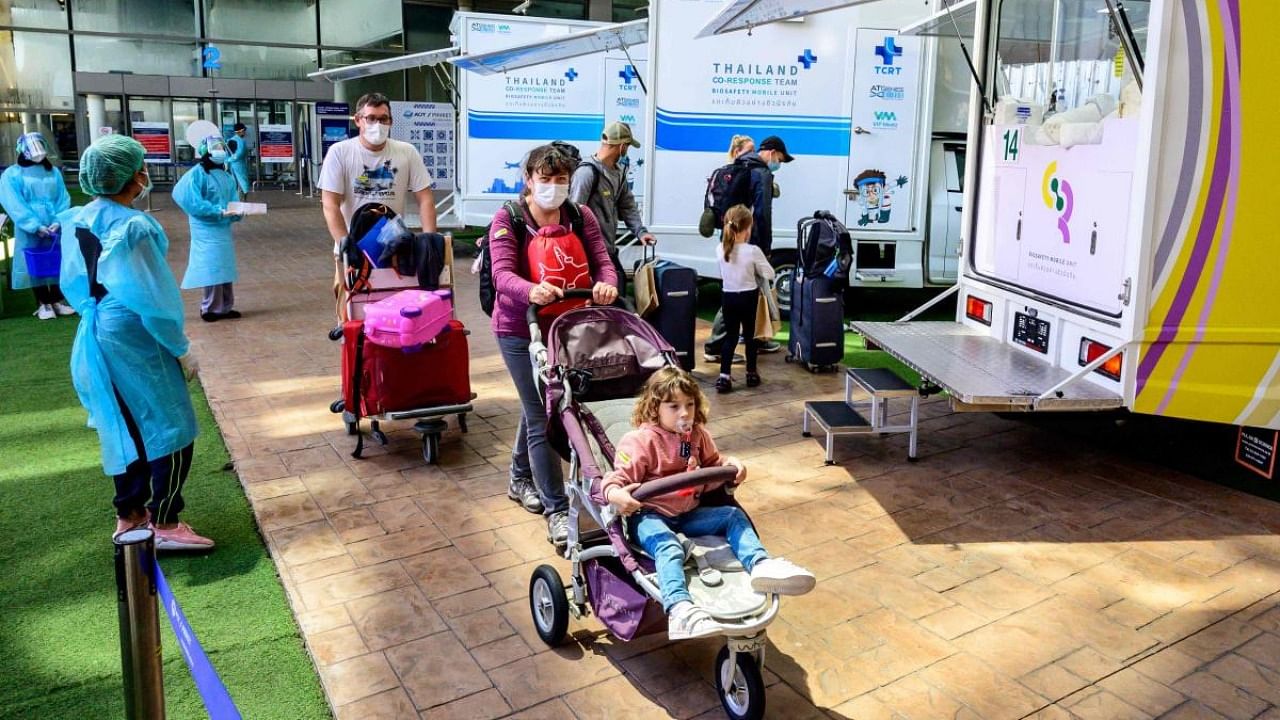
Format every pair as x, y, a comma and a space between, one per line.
181, 537
124, 524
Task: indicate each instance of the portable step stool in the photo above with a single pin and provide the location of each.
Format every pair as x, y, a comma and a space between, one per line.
842, 417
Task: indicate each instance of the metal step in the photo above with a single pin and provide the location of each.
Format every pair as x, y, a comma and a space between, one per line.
979, 370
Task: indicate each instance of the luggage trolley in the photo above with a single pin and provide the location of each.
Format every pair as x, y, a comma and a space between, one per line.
431, 420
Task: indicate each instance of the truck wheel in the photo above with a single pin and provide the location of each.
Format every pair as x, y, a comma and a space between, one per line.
784, 261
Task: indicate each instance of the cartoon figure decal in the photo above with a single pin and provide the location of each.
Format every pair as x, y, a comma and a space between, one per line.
873, 195
567, 272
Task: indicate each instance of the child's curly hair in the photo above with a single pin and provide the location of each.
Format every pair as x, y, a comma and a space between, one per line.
661, 387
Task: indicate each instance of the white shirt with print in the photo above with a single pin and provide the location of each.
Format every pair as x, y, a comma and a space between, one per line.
362, 176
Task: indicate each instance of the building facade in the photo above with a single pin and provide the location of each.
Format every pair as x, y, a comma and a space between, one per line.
75, 69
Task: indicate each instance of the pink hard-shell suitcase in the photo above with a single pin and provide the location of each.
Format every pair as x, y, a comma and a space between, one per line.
409, 319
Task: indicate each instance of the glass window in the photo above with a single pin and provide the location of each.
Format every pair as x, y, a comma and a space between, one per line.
566, 9
141, 17
34, 13
265, 63
144, 57
280, 21
361, 24
35, 70
1061, 53
390, 84
426, 28
624, 10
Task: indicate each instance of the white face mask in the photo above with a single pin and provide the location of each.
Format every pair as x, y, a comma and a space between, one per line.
550, 196
375, 133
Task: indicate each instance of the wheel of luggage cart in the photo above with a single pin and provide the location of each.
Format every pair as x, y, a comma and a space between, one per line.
431, 431
549, 604
740, 685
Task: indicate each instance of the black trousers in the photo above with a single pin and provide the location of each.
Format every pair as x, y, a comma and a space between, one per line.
739, 309
47, 294
153, 484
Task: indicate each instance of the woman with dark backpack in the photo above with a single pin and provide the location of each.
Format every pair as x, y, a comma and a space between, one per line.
523, 275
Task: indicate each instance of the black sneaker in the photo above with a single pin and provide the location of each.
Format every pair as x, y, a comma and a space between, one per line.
753, 379
210, 317
771, 346
229, 315
521, 490
724, 385
558, 528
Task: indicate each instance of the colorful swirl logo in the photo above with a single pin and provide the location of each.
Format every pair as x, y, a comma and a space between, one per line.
1057, 196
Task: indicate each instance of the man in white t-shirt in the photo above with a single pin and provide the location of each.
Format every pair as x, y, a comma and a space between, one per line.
373, 168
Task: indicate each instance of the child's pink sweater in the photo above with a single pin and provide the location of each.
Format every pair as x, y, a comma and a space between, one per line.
650, 453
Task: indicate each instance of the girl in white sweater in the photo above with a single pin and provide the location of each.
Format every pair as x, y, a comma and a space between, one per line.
741, 266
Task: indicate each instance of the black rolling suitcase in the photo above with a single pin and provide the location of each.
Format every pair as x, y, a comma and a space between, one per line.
675, 317
817, 322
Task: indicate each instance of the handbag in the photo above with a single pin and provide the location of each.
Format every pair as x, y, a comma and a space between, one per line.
646, 283
767, 320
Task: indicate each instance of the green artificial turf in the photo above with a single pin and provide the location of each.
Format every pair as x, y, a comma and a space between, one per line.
58, 623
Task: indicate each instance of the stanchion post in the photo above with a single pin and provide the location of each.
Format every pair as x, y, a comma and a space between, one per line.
135, 555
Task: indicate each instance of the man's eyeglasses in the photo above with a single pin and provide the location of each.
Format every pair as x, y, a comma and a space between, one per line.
379, 119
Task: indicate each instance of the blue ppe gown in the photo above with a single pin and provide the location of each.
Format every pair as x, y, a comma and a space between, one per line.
129, 341
32, 196
239, 161
203, 195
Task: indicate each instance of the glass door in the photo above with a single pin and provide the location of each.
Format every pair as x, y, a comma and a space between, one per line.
185, 112
231, 112
277, 142
151, 124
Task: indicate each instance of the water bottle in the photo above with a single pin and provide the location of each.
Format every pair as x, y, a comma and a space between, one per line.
832, 268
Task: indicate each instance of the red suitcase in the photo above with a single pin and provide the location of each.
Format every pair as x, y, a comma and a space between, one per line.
393, 380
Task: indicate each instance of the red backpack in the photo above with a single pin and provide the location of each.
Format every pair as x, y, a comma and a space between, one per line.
557, 254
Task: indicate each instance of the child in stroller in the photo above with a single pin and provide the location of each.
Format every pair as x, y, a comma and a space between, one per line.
670, 437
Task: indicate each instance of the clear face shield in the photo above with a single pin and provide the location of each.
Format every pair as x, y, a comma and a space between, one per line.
32, 147
216, 148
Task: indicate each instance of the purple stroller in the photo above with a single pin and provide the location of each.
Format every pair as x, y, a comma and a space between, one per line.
593, 364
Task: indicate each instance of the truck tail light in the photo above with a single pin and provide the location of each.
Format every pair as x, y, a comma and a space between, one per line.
1091, 350
977, 309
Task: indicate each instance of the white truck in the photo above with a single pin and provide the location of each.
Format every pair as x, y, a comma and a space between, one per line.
875, 120
1113, 257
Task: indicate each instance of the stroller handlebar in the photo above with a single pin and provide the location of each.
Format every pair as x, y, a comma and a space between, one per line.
680, 481
531, 315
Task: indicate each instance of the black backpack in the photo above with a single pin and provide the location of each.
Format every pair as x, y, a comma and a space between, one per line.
727, 186
356, 267
825, 246
488, 293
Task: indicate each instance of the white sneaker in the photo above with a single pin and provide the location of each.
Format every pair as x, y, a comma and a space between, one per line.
688, 621
45, 312
781, 576
62, 308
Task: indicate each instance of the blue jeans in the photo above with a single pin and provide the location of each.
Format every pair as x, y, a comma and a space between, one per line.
656, 533
532, 455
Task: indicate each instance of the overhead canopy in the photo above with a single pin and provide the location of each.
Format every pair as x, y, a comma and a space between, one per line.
377, 67
959, 12
588, 42
746, 14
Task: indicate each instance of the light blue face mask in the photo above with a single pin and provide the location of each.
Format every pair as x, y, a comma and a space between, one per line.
146, 189
775, 166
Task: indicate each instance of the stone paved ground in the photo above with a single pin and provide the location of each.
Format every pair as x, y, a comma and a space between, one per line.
1010, 573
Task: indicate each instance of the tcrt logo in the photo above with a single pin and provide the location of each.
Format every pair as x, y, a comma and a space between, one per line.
571, 74
628, 73
1057, 195
807, 59
887, 53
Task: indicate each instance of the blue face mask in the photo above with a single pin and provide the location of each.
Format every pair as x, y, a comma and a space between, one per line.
774, 166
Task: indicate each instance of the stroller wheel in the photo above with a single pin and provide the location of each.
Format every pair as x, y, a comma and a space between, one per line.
740, 685
549, 604
431, 448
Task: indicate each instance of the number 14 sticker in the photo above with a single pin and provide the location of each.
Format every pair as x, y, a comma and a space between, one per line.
1012, 137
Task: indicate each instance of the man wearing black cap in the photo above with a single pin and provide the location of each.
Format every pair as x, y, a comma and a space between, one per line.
239, 159
764, 162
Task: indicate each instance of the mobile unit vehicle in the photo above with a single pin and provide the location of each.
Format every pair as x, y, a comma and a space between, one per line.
506, 106
874, 119
1133, 269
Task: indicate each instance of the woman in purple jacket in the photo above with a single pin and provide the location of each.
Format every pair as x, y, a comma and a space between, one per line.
537, 481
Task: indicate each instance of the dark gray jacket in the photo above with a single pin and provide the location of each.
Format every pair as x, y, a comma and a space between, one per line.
611, 201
